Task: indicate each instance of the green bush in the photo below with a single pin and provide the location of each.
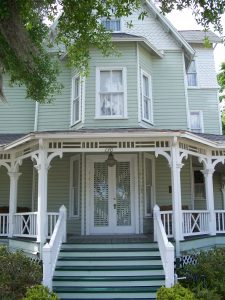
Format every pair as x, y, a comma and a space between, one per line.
39, 292
177, 292
207, 273
17, 273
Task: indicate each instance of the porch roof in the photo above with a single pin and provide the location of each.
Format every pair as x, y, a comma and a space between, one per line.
9, 141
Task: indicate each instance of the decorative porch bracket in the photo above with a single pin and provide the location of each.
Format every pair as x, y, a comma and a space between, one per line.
43, 160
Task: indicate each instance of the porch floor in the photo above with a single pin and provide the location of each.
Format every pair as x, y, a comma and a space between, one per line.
110, 239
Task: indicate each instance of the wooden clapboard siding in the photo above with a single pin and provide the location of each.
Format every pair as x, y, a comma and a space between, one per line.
4, 187
25, 184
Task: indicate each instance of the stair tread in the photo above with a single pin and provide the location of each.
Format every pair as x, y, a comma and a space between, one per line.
103, 268
109, 278
108, 249
110, 258
105, 289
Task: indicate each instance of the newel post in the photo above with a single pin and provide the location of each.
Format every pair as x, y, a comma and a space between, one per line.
47, 266
63, 212
14, 177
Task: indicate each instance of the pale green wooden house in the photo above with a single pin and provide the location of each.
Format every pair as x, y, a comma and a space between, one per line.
124, 171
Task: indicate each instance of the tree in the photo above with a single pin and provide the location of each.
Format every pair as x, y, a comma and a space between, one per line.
221, 82
25, 38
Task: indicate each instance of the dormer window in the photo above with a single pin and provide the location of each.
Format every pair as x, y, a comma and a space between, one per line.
113, 24
192, 74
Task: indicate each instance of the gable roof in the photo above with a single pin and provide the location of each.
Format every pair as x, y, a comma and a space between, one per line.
189, 51
198, 36
125, 37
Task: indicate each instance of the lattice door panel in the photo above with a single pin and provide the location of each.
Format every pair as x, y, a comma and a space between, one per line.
123, 197
101, 194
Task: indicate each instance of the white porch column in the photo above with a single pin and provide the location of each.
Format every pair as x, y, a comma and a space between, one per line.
14, 176
208, 174
42, 167
176, 197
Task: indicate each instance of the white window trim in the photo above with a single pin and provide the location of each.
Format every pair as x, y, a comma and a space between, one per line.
201, 119
151, 157
97, 105
72, 123
143, 73
197, 75
71, 203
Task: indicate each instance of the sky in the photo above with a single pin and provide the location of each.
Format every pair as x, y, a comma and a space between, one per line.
183, 20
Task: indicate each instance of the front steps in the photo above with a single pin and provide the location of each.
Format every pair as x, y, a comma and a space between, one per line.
108, 271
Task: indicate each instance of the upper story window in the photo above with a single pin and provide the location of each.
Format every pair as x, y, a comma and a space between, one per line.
192, 74
113, 24
146, 97
196, 121
76, 100
111, 93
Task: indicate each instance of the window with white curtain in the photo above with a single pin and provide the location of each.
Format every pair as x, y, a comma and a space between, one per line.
192, 74
113, 24
146, 97
111, 93
76, 100
196, 121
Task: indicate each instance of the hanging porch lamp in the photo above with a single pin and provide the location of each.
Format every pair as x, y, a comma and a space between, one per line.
110, 161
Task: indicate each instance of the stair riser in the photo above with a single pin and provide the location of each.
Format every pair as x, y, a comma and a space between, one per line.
107, 296
112, 283
111, 246
110, 263
107, 254
109, 273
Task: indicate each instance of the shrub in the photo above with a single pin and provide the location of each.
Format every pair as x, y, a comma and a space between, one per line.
17, 273
208, 272
39, 292
177, 292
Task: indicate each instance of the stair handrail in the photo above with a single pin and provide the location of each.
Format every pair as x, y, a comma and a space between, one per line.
165, 247
51, 250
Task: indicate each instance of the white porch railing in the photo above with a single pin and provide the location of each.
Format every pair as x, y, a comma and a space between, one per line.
195, 222
52, 220
165, 247
25, 224
4, 224
51, 249
220, 221
167, 220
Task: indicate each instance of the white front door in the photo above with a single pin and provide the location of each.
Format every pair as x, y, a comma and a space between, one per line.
111, 195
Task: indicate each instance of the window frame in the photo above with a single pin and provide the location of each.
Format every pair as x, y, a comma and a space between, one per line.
201, 120
148, 76
196, 74
150, 157
98, 100
74, 78
71, 212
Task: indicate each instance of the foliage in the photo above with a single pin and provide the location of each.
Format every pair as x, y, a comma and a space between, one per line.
25, 38
177, 292
40, 292
207, 273
221, 81
17, 273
